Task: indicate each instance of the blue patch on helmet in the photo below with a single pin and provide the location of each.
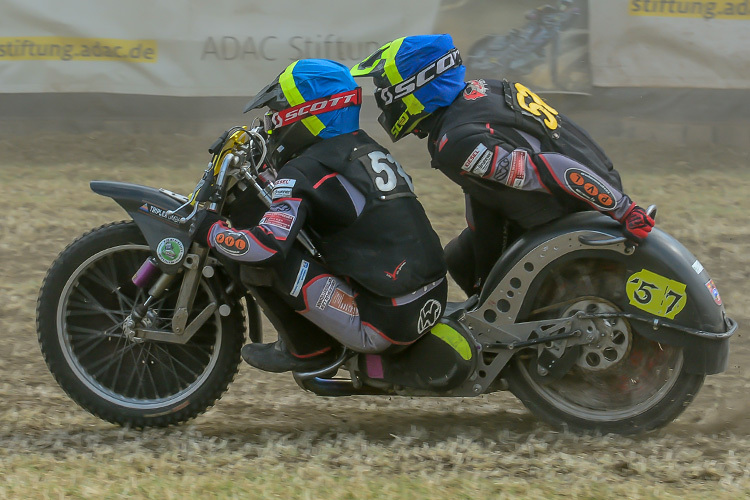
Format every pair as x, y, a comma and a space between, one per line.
317, 78
415, 53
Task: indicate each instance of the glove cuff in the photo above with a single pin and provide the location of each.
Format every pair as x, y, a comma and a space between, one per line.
627, 212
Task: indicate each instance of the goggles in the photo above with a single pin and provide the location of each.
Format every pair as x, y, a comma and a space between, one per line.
277, 119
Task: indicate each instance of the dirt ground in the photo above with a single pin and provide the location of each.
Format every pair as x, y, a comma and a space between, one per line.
267, 423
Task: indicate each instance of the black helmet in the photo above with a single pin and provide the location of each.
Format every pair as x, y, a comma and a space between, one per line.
414, 76
311, 100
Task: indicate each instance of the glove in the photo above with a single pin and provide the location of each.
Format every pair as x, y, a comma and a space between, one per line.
204, 226
637, 224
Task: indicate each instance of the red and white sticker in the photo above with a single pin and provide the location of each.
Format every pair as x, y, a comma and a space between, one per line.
475, 89
278, 219
714, 292
517, 169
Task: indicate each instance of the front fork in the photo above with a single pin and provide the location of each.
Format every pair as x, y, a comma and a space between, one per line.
137, 326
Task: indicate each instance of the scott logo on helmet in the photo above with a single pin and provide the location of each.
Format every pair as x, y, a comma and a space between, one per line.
317, 107
450, 60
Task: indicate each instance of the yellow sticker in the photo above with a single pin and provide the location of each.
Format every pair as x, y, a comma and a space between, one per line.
535, 105
453, 339
656, 294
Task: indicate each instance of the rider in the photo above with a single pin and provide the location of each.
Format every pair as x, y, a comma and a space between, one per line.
519, 162
381, 281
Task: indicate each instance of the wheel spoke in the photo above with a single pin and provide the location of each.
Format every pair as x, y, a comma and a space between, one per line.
96, 342
184, 348
177, 360
96, 303
108, 360
134, 372
107, 282
80, 308
148, 368
172, 367
116, 374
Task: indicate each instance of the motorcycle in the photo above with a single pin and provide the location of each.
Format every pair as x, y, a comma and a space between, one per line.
142, 327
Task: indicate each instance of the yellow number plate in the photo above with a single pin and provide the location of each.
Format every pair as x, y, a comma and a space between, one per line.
656, 294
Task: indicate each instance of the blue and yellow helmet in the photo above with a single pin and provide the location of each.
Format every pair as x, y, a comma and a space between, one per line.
311, 100
414, 76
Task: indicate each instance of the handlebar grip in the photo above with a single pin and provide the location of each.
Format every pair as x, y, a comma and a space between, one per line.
216, 146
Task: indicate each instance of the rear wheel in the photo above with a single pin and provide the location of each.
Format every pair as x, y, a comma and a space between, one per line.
87, 295
625, 383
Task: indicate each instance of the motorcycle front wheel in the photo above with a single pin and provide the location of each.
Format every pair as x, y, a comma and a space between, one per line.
624, 384
84, 300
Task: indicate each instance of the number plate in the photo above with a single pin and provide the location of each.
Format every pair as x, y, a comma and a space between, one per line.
656, 294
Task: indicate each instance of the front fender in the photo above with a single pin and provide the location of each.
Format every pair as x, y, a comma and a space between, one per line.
662, 281
148, 208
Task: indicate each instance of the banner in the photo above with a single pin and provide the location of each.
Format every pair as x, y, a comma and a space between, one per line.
671, 43
189, 47
543, 43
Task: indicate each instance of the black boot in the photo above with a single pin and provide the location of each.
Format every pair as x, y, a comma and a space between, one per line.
276, 358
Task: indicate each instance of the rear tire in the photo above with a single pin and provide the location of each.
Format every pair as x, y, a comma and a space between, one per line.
84, 299
644, 386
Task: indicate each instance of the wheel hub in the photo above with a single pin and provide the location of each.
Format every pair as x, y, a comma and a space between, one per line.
611, 340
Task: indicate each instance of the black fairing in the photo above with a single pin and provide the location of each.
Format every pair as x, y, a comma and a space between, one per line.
154, 224
660, 253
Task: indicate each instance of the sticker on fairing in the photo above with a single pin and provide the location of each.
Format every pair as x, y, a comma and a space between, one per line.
284, 183
301, 275
697, 267
586, 187
170, 250
473, 157
278, 219
233, 242
714, 292
161, 213
656, 294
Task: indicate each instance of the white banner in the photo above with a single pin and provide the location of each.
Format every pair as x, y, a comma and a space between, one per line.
189, 47
670, 43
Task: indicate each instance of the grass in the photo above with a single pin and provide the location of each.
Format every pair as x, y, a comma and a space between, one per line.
192, 465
